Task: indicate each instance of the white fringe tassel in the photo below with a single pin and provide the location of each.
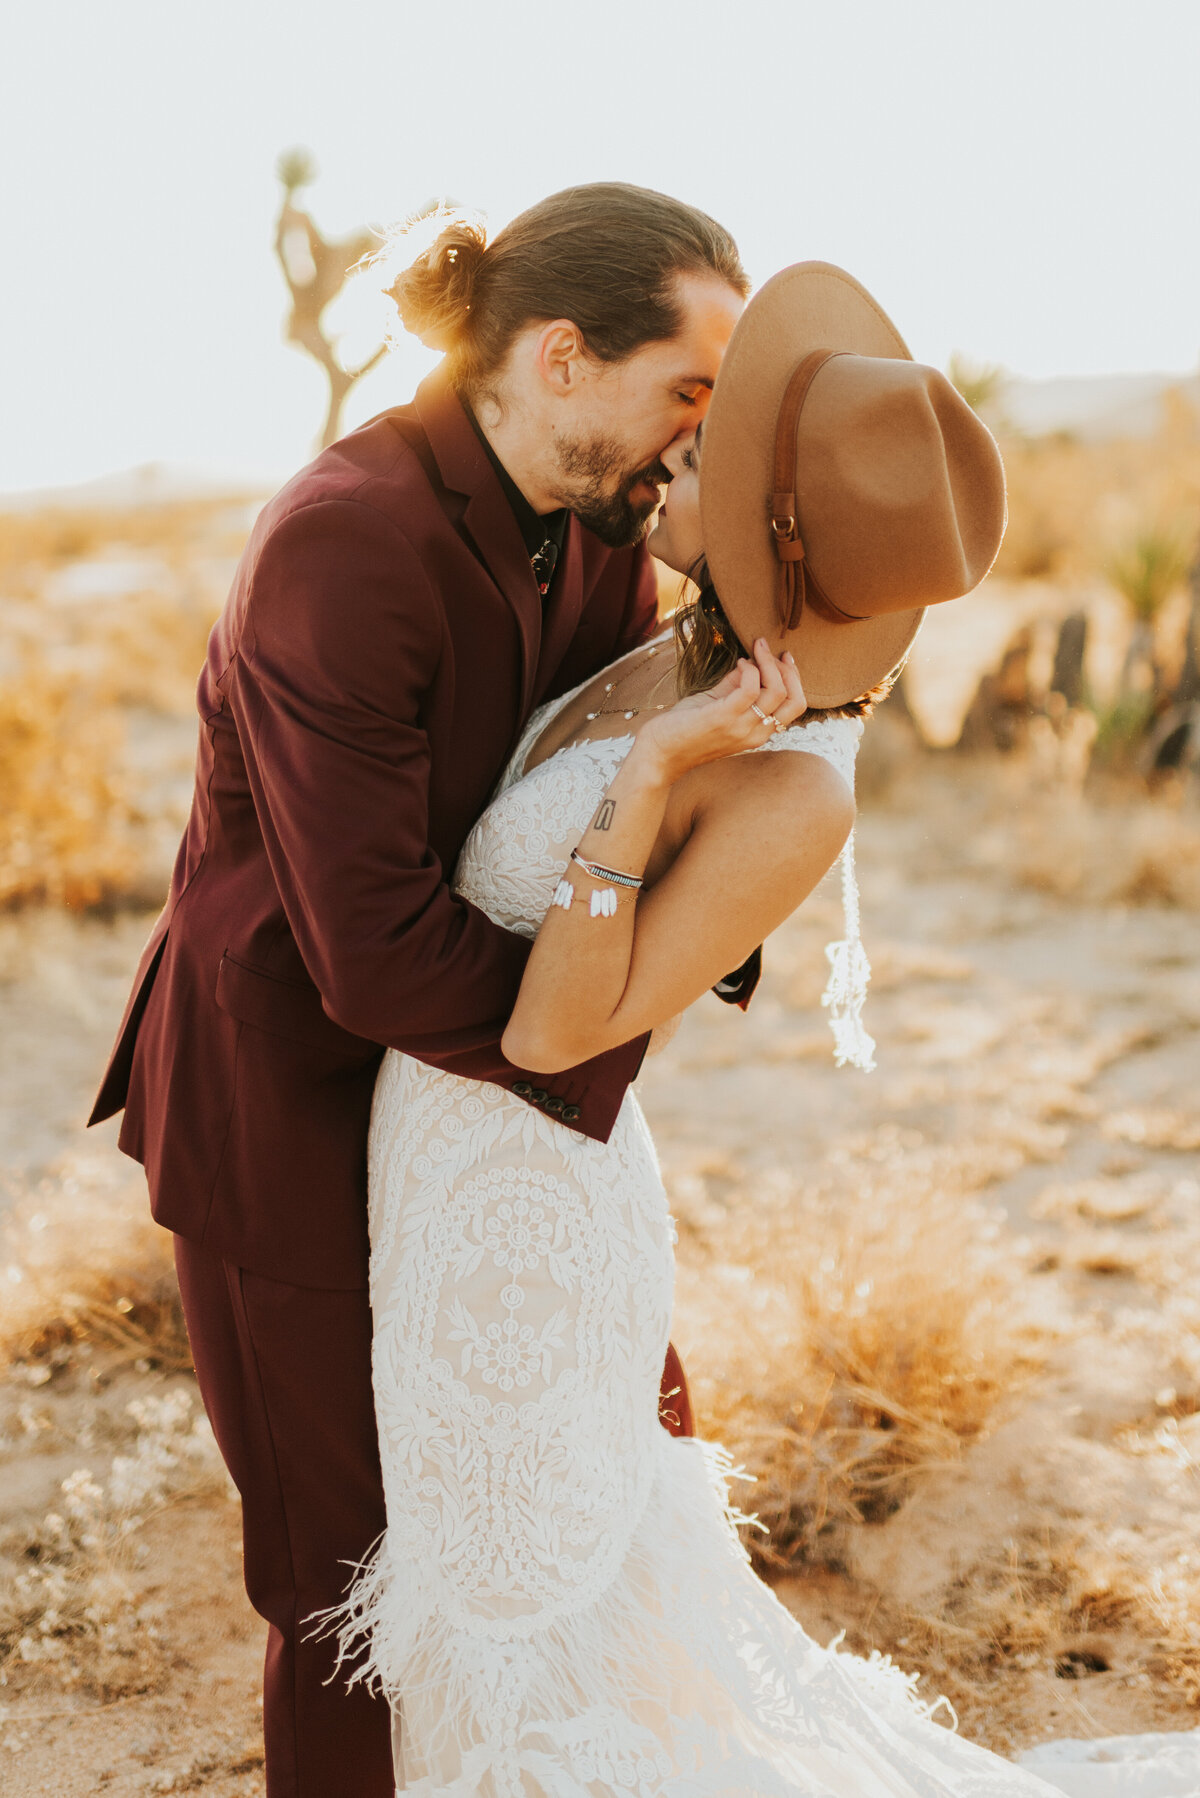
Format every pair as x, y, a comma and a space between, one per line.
849, 976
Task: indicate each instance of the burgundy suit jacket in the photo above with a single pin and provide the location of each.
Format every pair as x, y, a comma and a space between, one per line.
380, 652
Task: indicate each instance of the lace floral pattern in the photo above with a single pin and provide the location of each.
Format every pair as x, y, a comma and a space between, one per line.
560, 1606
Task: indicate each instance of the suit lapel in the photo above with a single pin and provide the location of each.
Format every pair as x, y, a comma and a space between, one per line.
487, 517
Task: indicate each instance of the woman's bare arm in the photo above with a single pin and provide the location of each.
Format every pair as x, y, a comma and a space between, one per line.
745, 839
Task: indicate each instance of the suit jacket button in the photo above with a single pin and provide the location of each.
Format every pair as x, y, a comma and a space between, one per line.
538, 1095
553, 1103
570, 1113
522, 1089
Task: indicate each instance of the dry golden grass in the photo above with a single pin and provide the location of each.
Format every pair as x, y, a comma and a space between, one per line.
32, 542
1129, 851
851, 1351
92, 1302
1072, 505
65, 822
1044, 1601
1056, 1598
104, 618
1023, 818
848, 1346
72, 1610
90, 1278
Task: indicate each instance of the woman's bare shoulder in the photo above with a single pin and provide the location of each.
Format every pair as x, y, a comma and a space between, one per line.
765, 805
765, 782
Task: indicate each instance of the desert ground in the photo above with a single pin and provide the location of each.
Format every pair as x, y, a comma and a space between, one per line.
946, 1313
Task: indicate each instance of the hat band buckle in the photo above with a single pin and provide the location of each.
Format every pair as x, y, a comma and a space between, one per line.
797, 585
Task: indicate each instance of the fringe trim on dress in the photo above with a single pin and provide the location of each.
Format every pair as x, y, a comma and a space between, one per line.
685, 1679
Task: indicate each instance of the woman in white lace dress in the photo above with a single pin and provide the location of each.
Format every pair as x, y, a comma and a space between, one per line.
560, 1607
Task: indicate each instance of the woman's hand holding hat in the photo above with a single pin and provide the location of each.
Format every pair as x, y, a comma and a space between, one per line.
756, 699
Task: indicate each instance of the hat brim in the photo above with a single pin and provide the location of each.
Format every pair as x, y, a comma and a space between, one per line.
810, 306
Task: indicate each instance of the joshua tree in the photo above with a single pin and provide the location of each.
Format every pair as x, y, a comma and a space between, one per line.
1187, 691
1146, 575
1175, 740
315, 271
1069, 654
980, 385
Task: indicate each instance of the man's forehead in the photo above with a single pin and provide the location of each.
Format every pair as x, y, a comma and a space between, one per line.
710, 310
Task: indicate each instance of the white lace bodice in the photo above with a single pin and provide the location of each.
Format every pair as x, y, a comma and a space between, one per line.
514, 856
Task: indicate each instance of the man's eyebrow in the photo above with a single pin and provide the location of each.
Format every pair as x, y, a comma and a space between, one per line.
694, 381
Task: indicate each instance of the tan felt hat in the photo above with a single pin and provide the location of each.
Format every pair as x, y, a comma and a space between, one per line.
843, 486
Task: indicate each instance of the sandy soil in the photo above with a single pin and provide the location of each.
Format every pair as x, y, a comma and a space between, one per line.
1039, 1054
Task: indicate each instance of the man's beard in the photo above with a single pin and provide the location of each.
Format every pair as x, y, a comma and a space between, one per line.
609, 512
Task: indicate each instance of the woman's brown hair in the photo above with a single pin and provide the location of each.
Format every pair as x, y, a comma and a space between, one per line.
604, 256
707, 649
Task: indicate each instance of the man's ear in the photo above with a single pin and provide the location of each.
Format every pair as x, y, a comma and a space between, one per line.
559, 356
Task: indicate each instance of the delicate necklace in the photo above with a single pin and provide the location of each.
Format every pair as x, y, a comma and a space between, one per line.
614, 686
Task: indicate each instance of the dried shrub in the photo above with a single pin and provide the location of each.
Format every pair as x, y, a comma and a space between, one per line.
132, 1312
65, 825
1071, 503
1048, 1601
103, 624
73, 1610
865, 1339
87, 1276
91, 1300
1124, 852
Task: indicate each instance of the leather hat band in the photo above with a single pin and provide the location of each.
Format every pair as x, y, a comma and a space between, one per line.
797, 585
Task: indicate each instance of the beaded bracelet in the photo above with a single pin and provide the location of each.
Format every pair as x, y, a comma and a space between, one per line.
603, 904
612, 875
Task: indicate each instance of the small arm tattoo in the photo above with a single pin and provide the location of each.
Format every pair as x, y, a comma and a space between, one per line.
605, 815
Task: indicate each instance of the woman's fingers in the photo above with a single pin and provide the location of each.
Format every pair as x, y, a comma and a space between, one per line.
762, 692
774, 692
781, 694
795, 704
727, 685
751, 702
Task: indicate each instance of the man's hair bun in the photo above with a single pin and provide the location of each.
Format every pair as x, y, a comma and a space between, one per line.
606, 256
433, 293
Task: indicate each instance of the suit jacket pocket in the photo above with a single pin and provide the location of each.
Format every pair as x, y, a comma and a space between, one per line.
282, 1008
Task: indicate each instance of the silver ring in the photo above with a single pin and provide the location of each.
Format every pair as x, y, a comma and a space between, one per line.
758, 713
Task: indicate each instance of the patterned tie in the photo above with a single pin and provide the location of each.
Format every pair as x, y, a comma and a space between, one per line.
543, 561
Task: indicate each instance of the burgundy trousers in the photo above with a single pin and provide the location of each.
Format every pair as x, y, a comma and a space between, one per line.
285, 1375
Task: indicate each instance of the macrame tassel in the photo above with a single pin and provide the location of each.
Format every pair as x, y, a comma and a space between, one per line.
849, 976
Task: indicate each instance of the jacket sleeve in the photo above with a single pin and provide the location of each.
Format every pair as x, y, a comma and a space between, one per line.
342, 637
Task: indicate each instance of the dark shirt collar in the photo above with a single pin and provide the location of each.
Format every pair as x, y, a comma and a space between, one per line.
535, 528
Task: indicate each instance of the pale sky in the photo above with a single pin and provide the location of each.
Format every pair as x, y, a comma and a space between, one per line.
1015, 179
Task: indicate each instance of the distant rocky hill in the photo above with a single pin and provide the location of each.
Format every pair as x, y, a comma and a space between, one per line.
150, 484
1093, 408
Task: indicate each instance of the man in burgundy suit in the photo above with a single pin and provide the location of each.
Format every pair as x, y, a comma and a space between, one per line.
401, 607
